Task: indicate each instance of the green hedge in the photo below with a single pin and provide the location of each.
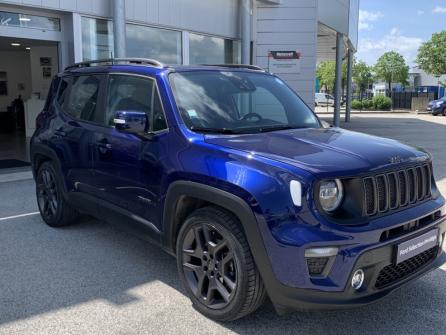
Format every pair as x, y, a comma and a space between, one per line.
356, 104
367, 104
379, 102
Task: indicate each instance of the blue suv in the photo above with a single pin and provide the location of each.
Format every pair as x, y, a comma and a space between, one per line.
226, 169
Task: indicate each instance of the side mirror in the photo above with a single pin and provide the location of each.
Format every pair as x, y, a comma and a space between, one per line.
134, 122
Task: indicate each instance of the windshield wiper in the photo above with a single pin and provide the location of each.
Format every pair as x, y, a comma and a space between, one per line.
264, 129
213, 130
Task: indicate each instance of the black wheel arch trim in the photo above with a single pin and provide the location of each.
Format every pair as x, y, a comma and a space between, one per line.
44, 150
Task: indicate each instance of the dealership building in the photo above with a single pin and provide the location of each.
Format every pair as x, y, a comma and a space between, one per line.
38, 38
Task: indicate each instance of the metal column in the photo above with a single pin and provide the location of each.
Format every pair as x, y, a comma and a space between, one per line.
245, 13
119, 28
338, 80
348, 105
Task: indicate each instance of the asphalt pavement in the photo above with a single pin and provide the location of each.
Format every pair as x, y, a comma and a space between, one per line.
92, 278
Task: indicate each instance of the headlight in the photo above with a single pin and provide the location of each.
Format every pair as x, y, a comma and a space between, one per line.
330, 194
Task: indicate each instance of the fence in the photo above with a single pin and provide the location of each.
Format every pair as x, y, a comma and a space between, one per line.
403, 100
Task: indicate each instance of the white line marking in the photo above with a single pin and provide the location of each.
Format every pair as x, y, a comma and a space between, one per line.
18, 216
16, 176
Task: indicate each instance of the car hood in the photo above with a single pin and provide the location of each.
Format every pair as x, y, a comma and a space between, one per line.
324, 151
435, 101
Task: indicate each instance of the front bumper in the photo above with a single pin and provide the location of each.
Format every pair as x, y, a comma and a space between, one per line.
335, 291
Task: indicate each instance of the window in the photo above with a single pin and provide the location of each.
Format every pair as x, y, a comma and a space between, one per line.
51, 93
148, 42
141, 41
261, 102
81, 99
29, 21
133, 93
63, 90
238, 102
97, 39
213, 50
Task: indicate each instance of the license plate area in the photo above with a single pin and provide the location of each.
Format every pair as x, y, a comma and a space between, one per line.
416, 246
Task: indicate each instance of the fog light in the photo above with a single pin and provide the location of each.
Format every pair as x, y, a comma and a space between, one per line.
358, 279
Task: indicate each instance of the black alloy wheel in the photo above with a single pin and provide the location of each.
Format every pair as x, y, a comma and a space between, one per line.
47, 194
216, 266
209, 266
54, 208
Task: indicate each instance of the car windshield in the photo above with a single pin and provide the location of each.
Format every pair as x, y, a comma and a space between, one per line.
238, 102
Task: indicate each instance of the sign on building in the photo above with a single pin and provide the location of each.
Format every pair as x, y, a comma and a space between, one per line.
284, 62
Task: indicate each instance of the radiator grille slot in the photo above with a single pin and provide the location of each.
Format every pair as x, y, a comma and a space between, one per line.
396, 189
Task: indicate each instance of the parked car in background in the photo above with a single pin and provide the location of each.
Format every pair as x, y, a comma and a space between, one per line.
228, 170
437, 107
323, 99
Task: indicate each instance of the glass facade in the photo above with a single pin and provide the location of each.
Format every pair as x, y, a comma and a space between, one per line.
148, 42
213, 50
29, 21
161, 44
97, 38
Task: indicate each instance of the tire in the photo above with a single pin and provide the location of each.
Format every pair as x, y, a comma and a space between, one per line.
53, 207
220, 266
444, 112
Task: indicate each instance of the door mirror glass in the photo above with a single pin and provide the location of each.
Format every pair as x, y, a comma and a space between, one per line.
130, 121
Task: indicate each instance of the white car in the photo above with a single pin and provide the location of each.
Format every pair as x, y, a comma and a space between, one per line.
323, 99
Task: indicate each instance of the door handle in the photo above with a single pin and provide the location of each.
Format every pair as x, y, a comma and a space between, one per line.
60, 132
103, 146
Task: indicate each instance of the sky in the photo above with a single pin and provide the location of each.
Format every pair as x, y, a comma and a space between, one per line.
397, 25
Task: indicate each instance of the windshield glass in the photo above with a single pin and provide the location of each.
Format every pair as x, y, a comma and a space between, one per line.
238, 102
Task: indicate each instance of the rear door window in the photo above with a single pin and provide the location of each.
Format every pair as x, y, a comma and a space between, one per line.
81, 98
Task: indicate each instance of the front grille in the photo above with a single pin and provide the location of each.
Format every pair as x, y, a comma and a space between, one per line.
396, 189
392, 273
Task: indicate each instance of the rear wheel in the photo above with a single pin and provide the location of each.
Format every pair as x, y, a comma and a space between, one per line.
216, 266
54, 209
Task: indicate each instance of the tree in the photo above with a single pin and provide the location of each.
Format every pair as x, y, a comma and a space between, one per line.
326, 72
432, 55
391, 67
362, 75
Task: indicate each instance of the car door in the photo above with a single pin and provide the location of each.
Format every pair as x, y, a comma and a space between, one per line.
79, 110
127, 167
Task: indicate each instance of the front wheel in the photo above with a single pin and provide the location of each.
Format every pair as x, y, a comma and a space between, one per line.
216, 266
53, 207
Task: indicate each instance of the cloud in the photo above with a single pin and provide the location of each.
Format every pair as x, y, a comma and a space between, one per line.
370, 50
439, 10
420, 12
366, 18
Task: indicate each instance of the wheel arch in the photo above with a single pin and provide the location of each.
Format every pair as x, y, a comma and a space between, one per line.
183, 197
40, 154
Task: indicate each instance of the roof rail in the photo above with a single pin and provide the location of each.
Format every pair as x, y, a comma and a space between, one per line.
239, 66
115, 61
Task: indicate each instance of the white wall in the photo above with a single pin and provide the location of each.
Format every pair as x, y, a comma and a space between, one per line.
291, 25
16, 64
39, 83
